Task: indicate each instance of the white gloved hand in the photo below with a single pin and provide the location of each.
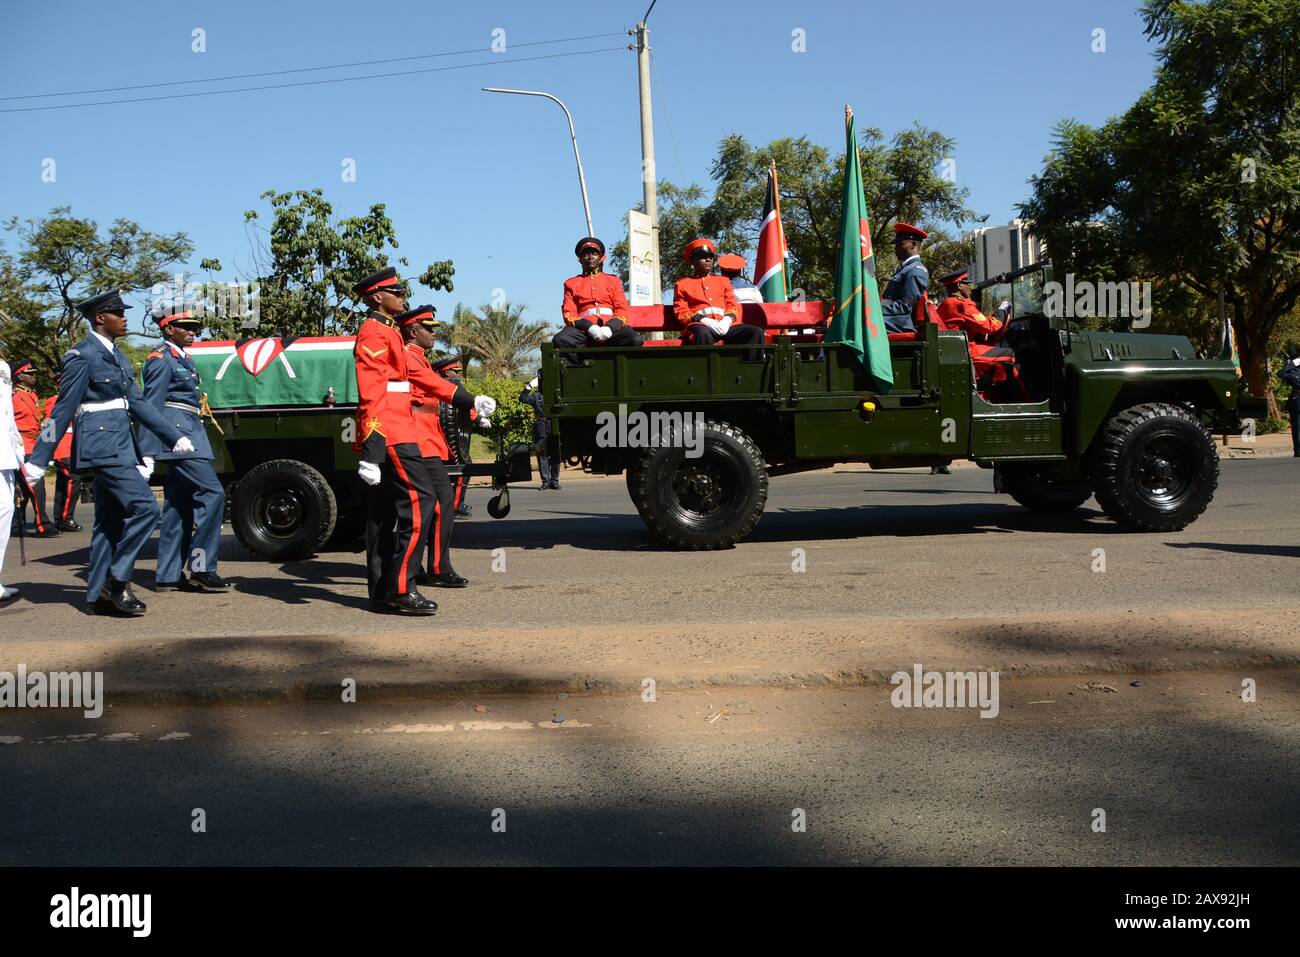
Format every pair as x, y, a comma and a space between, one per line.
369, 473
183, 444
145, 469
713, 324
593, 332
723, 325
484, 405
606, 332
33, 473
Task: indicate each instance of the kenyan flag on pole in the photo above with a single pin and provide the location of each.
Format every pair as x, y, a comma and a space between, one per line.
857, 322
771, 272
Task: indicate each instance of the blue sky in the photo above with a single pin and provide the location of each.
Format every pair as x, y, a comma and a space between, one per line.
488, 181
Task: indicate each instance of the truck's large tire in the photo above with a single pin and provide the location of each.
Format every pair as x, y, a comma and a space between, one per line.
704, 503
1155, 467
1044, 488
283, 510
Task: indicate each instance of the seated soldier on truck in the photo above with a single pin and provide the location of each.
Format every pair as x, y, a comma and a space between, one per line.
994, 363
595, 307
706, 305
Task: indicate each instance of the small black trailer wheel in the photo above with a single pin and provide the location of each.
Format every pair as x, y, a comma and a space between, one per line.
283, 510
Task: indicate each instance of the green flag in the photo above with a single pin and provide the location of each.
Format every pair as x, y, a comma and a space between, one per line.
857, 321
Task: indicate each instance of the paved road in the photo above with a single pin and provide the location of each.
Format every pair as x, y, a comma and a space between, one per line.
1185, 771
877, 545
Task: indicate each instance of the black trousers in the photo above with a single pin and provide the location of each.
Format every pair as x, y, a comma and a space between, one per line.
398, 521
33, 492
739, 334
571, 337
444, 509
67, 489
1295, 433
548, 468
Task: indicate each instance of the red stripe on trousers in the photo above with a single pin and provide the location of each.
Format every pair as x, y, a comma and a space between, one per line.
437, 533
36, 506
415, 521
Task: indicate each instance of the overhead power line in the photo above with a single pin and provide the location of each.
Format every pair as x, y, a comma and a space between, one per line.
285, 86
302, 69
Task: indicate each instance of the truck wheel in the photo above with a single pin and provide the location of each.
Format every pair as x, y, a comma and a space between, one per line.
456, 429
1044, 488
703, 503
283, 510
1155, 468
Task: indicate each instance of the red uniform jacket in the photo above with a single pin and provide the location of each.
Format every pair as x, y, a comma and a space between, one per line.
64, 449
711, 295
27, 416
424, 405
596, 298
958, 313
384, 385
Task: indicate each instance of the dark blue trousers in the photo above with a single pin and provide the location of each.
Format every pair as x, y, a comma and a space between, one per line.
193, 505
125, 516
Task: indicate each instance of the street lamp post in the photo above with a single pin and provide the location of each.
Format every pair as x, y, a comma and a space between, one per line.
582, 179
648, 175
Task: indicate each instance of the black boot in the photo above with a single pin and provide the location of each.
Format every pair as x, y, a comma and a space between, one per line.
117, 598
412, 603
449, 580
209, 581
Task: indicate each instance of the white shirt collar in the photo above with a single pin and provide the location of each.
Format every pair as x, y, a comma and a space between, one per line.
108, 343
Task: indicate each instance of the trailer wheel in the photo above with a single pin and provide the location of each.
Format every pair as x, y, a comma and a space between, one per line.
703, 503
1045, 488
283, 510
1155, 467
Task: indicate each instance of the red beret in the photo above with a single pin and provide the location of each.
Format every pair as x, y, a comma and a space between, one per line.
908, 231
695, 245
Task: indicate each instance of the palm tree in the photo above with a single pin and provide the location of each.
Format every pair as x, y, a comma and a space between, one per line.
499, 338
450, 336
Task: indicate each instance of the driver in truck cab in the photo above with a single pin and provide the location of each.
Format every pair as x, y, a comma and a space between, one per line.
706, 304
995, 371
595, 307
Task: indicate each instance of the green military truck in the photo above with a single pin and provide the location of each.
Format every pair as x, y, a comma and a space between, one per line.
1125, 417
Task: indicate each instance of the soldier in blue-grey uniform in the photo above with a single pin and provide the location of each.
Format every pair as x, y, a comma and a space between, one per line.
98, 389
193, 499
910, 280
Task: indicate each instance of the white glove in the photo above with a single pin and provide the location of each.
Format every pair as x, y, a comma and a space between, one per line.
183, 444
33, 473
146, 469
369, 473
484, 405
714, 324
606, 332
593, 332
723, 325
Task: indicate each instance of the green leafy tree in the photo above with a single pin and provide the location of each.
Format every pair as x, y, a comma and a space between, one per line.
1195, 186
449, 337
903, 179
307, 262
500, 340
61, 259
513, 421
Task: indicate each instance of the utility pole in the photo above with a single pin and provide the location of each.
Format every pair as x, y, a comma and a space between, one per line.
648, 174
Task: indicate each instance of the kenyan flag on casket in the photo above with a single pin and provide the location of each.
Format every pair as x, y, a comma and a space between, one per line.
277, 372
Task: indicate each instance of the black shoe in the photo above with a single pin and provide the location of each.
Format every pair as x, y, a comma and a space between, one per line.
464, 512
555, 484
448, 580
544, 487
118, 597
940, 470
182, 585
412, 603
208, 581
70, 526
50, 532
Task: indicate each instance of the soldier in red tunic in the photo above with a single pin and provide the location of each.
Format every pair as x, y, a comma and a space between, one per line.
28, 418
594, 307
404, 497
705, 304
67, 483
994, 363
417, 327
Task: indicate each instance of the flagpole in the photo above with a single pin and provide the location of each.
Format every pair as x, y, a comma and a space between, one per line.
780, 230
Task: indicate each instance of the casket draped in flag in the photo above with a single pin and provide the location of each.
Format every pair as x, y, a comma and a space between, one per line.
277, 372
